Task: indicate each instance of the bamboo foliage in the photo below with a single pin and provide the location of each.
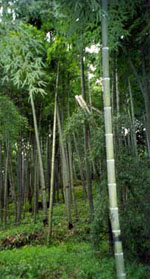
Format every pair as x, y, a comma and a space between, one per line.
114, 216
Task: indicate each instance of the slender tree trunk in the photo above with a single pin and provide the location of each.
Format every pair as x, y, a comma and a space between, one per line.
65, 174
80, 168
147, 103
26, 179
70, 159
145, 92
132, 121
86, 146
117, 94
35, 207
147, 141
1, 185
19, 180
71, 179
12, 185
119, 258
89, 92
116, 104
49, 235
6, 186
48, 160
23, 176
42, 179
114, 84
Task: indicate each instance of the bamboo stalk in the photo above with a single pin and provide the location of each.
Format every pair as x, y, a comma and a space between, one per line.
80, 168
12, 184
1, 185
42, 179
6, 186
114, 216
65, 174
70, 159
49, 235
86, 143
35, 207
132, 121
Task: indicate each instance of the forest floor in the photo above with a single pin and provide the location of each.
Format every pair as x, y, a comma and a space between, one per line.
71, 255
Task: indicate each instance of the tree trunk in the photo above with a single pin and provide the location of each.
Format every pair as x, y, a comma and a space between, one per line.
132, 121
19, 182
145, 92
147, 103
48, 160
65, 174
12, 185
6, 186
42, 179
70, 159
119, 258
1, 185
49, 235
71, 179
86, 146
80, 168
35, 207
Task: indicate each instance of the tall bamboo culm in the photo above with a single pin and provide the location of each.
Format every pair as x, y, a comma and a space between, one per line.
42, 178
111, 177
50, 215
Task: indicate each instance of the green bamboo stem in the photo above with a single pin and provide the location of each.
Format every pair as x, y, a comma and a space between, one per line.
86, 146
145, 92
133, 121
65, 173
6, 187
35, 185
42, 179
111, 177
71, 179
80, 168
50, 216
1, 186
70, 161
12, 185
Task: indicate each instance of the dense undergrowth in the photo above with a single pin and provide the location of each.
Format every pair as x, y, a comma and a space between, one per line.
71, 254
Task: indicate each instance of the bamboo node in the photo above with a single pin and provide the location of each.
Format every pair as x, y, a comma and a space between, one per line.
105, 48
116, 231
107, 108
119, 254
106, 78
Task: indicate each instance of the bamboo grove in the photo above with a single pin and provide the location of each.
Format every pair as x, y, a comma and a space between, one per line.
75, 110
